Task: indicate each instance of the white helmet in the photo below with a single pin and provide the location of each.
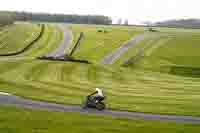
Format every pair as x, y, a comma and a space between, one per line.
97, 89
99, 92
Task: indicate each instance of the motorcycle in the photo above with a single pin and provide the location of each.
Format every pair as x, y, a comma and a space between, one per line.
90, 102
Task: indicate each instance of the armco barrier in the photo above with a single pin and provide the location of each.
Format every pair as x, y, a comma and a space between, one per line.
65, 60
185, 71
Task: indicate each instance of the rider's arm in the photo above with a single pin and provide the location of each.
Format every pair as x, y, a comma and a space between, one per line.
93, 93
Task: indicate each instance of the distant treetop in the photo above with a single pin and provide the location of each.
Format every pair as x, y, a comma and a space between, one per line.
45, 17
184, 23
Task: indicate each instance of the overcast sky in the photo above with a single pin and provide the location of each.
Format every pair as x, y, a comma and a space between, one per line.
136, 11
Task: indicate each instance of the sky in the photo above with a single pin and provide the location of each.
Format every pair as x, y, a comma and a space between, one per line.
136, 11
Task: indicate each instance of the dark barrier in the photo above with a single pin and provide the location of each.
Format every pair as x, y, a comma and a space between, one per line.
28, 46
65, 60
185, 71
77, 43
66, 57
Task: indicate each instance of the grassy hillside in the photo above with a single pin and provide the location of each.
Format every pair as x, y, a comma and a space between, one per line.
169, 49
22, 121
48, 42
137, 49
68, 83
180, 49
96, 44
145, 88
125, 89
16, 37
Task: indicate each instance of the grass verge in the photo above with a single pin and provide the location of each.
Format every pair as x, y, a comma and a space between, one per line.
15, 120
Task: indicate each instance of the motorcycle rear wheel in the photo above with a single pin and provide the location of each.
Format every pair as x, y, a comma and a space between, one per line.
100, 106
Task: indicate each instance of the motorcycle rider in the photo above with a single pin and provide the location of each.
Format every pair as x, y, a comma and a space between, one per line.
98, 95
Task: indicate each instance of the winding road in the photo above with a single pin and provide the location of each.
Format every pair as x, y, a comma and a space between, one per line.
60, 51
6, 98
110, 58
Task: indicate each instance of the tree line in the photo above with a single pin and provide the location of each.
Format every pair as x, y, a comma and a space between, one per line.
182, 23
7, 17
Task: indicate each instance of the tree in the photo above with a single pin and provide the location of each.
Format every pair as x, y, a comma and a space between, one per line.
119, 21
126, 22
45, 17
6, 18
148, 23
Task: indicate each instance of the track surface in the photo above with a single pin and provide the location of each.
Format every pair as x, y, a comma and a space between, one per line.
110, 58
5, 98
60, 51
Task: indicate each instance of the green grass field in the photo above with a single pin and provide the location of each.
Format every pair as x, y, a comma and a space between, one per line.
126, 89
100, 42
26, 32
170, 47
49, 42
145, 85
22, 121
18, 36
